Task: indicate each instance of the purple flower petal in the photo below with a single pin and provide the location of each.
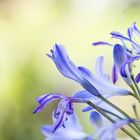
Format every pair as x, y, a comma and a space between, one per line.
85, 95
123, 38
88, 108
63, 63
123, 68
99, 68
96, 119
114, 74
46, 99
136, 30
101, 43
119, 55
137, 79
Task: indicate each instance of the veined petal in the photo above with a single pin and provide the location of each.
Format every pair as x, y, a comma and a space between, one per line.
104, 87
63, 63
120, 57
86, 83
68, 69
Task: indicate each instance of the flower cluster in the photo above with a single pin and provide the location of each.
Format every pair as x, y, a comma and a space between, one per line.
98, 87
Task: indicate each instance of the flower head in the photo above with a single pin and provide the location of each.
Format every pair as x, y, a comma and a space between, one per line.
125, 53
63, 110
97, 85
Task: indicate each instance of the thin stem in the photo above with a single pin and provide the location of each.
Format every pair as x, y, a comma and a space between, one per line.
136, 86
107, 111
122, 112
134, 95
110, 119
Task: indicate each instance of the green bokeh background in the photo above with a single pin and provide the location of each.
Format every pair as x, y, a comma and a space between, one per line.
28, 30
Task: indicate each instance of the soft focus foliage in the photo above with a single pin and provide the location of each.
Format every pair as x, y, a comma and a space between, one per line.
28, 29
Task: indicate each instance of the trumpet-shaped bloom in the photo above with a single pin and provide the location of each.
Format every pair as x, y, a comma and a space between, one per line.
63, 110
120, 57
132, 33
124, 54
97, 85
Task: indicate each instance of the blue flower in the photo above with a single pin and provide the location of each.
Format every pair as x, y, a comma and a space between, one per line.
132, 33
71, 131
97, 85
124, 54
120, 57
64, 109
69, 69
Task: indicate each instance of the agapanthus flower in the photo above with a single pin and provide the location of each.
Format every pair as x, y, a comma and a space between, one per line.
97, 85
124, 53
63, 110
120, 57
74, 131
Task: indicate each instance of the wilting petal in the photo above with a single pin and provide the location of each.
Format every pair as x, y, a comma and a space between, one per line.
137, 79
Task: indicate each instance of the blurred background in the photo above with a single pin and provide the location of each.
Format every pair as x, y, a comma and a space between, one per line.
28, 30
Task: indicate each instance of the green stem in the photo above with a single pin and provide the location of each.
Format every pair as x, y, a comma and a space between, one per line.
122, 112
110, 119
107, 111
136, 86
